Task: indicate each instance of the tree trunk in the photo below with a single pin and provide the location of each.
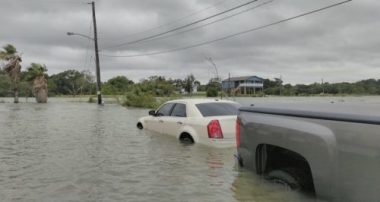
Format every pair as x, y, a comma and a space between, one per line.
13, 68
40, 89
16, 94
17, 82
41, 96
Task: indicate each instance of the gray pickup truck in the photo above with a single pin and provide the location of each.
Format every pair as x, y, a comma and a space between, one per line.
334, 156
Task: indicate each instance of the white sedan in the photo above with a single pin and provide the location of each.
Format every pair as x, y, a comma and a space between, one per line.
205, 121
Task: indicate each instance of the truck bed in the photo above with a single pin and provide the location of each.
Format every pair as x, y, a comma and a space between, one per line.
312, 113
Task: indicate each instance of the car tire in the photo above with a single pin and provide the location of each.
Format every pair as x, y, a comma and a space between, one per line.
139, 125
186, 138
289, 178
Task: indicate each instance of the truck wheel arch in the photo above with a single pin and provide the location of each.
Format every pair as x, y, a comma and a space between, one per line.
268, 161
312, 141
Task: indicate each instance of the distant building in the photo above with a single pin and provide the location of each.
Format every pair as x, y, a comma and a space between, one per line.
243, 85
194, 90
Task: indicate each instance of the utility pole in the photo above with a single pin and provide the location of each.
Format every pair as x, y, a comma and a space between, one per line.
280, 85
229, 84
323, 87
98, 81
217, 76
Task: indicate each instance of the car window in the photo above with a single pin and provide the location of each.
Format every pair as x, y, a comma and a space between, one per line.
179, 110
165, 109
218, 109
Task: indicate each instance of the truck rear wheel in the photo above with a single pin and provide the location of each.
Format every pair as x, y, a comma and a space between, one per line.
289, 178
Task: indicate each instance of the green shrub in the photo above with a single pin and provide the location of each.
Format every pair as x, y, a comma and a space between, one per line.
91, 99
211, 92
140, 99
259, 94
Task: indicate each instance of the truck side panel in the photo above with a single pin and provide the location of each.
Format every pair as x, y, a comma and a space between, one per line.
314, 142
339, 153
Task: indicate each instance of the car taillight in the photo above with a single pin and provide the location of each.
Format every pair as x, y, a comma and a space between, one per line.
238, 132
214, 130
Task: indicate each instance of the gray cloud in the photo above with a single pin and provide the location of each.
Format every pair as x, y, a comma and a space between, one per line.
340, 44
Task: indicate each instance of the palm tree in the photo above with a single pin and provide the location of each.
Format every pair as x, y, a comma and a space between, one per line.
36, 75
13, 67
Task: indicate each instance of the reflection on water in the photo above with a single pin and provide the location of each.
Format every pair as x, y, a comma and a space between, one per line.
68, 151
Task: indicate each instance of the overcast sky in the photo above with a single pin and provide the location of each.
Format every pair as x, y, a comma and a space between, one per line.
338, 44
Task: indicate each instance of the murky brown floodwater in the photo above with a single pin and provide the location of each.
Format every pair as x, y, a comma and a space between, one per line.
71, 151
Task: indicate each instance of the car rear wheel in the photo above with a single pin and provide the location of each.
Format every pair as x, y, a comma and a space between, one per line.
186, 138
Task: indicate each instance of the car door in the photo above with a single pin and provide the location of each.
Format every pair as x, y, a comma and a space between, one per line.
176, 120
157, 123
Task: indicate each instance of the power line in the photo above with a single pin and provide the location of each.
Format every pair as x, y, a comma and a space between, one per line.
210, 23
180, 19
181, 27
232, 35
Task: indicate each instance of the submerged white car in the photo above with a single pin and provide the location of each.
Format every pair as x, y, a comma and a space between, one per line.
205, 121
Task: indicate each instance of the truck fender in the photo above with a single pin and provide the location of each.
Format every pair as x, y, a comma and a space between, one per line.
313, 141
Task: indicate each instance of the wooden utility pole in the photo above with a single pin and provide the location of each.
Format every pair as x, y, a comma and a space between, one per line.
280, 85
229, 84
219, 80
98, 81
323, 87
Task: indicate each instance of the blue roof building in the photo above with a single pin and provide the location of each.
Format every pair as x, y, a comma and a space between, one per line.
243, 85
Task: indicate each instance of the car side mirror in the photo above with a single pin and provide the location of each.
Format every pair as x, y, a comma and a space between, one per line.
152, 113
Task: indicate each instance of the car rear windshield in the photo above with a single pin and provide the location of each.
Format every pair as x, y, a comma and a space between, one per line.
218, 109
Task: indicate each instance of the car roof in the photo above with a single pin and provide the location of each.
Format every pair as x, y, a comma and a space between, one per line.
195, 101
192, 110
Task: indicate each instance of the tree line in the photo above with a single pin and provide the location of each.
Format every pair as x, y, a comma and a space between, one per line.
34, 81
363, 87
72, 82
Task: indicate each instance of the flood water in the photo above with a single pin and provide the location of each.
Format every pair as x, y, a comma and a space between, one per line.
76, 151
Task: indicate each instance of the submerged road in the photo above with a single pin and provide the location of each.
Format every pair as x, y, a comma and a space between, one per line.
72, 151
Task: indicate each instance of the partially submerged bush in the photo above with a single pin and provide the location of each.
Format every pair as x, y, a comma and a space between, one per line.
137, 98
91, 99
141, 99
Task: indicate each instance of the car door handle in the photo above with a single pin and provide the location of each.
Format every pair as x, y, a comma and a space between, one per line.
161, 121
179, 122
